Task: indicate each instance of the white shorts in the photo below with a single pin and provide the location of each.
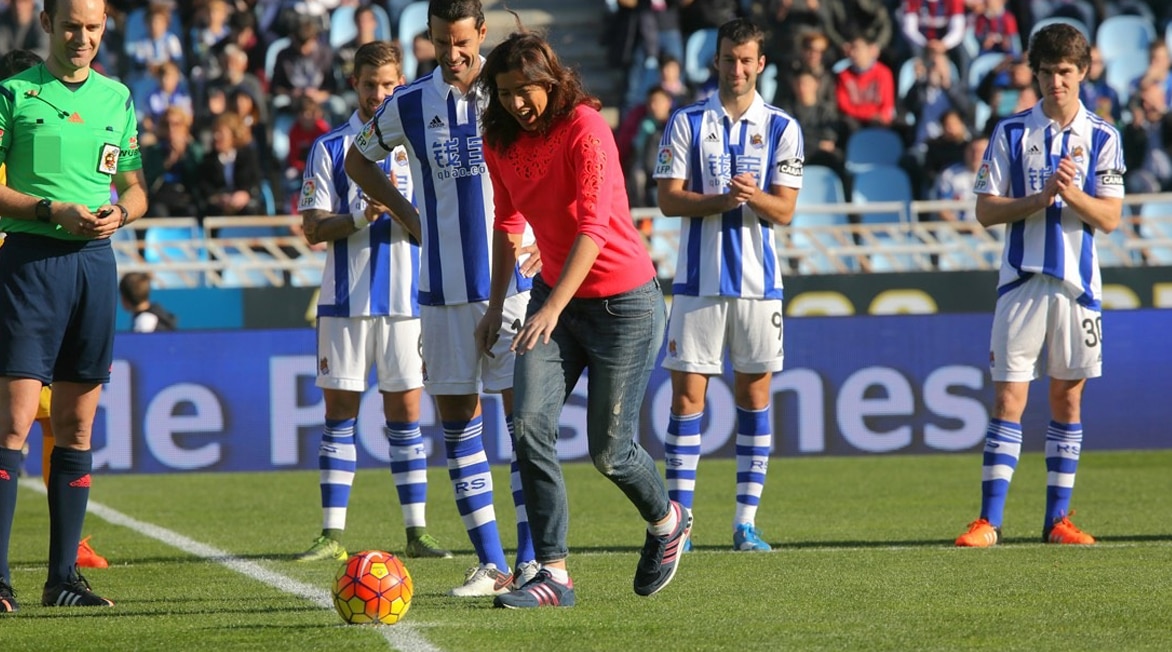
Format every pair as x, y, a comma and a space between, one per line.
347, 347
1042, 313
701, 327
454, 366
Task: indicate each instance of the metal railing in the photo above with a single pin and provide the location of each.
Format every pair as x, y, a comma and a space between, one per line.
267, 251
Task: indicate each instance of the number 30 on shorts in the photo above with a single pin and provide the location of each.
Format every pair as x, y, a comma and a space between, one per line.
1094, 331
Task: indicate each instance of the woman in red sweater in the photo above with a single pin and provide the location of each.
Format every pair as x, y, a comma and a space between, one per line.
596, 305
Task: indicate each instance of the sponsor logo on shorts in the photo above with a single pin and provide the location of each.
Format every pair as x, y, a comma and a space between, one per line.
324, 366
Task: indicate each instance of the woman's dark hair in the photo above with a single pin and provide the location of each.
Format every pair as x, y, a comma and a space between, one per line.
530, 54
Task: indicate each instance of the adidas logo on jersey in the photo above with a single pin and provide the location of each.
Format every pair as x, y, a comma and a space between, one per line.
435, 123
712, 137
1034, 149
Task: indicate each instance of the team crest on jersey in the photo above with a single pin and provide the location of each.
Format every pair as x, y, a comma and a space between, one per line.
365, 135
308, 189
756, 140
981, 183
108, 159
401, 157
324, 366
132, 144
663, 161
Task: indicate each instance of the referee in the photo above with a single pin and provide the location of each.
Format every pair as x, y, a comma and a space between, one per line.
66, 134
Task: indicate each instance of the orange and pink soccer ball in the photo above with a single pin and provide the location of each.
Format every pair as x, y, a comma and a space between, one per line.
373, 587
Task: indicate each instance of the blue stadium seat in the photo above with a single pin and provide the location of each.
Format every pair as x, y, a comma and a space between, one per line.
343, 29
282, 123
981, 66
699, 55
235, 277
881, 183
767, 82
159, 246
309, 275
412, 21
1157, 229
907, 76
820, 186
271, 54
869, 147
1077, 24
1119, 35
1124, 69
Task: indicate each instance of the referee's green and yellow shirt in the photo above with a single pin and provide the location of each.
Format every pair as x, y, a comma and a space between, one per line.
65, 144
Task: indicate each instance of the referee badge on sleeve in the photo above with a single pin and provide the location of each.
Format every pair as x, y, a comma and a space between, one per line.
108, 159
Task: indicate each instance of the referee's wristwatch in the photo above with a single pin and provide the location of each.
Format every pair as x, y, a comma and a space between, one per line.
44, 210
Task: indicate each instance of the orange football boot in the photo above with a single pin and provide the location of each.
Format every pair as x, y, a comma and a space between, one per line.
1063, 531
88, 558
981, 534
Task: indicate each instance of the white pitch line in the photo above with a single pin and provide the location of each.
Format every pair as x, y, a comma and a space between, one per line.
402, 637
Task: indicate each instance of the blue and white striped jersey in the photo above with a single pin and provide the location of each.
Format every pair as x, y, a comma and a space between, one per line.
733, 254
440, 128
375, 271
1023, 153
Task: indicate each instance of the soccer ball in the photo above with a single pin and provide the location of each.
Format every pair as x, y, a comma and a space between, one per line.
373, 587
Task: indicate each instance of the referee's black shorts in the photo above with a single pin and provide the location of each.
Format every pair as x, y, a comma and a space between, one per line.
58, 301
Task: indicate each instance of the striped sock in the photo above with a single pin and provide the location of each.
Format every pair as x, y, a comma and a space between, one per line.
1002, 449
472, 481
1063, 445
409, 470
338, 459
9, 473
525, 551
754, 440
681, 456
69, 494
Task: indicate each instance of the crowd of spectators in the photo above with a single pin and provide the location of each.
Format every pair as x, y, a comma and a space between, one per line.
209, 84
209, 87
939, 73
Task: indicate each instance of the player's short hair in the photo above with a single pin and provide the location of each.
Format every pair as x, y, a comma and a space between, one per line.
15, 62
454, 10
1056, 43
377, 54
739, 31
135, 287
50, 7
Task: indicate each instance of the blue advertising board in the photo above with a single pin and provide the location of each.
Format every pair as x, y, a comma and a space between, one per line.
245, 400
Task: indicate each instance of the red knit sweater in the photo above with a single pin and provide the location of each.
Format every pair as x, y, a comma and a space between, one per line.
868, 95
566, 183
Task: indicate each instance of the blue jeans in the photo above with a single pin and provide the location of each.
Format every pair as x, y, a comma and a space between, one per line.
617, 338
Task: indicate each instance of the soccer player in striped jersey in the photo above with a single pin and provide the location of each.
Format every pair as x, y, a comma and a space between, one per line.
1053, 175
731, 166
437, 119
367, 314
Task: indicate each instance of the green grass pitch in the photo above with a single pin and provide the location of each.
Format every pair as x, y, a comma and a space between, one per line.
863, 560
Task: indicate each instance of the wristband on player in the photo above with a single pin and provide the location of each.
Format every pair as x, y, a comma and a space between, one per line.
360, 221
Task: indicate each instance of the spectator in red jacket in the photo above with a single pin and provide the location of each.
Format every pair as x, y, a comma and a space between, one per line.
866, 89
